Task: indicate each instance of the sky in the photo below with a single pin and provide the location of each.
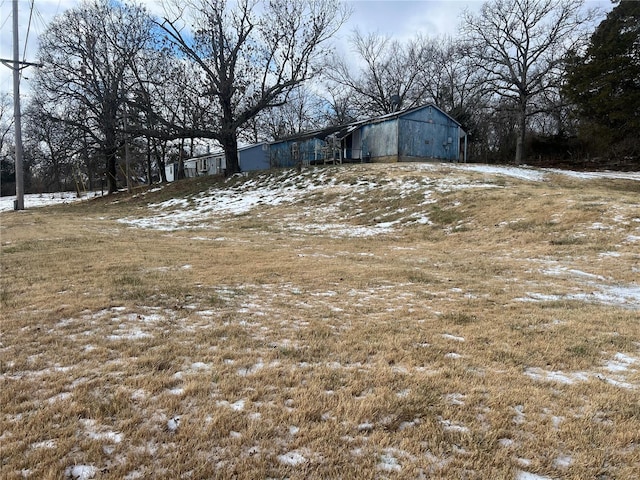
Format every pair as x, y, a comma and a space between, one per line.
400, 19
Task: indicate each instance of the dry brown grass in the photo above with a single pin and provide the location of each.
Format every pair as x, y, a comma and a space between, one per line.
488, 342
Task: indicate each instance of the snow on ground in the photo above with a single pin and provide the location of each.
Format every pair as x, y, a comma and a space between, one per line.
198, 211
594, 289
118, 325
35, 200
521, 173
614, 369
80, 472
238, 201
595, 175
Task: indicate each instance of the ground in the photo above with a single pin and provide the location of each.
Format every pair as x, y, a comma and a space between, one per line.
363, 321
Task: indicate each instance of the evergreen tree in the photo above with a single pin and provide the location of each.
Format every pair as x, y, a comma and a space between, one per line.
604, 82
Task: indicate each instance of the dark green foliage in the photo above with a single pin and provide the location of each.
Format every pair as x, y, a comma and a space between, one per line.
604, 83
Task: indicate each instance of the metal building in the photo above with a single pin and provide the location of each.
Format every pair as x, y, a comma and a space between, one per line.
423, 133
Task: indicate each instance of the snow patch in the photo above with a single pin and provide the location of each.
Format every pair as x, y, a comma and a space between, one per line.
292, 458
80, 472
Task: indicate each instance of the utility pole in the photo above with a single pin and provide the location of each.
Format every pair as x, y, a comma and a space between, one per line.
16, 65
19, 205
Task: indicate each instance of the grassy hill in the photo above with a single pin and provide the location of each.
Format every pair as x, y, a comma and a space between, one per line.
363, 321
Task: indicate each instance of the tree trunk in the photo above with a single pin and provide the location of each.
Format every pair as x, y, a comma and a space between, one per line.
160, 160
229, 143
522, 126
56, 174
181, 173
112, 169
149, 172
519, 146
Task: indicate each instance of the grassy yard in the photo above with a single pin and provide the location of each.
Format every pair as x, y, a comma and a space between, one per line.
366, 321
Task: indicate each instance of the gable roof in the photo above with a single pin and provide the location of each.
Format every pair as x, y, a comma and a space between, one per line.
342, 131
407, 111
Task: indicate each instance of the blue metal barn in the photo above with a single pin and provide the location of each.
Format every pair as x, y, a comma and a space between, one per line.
416, 134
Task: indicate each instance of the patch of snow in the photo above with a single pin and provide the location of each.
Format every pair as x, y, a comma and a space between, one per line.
92, 432
80, 472
388, 463
236, 406
109, 436
411, 424
530, 476
620, 363
135, 334
403, 393
139, 394
455, 399
506, 442
618, 383
200, 366
521, 173
519, 419
595, 175
244, 372
449, 426
559, 270
616, 295
36, 200
44, 444
453, 355
292, 458
173, 423
557, 376
452, 337
365, 427
60, 397
563, 461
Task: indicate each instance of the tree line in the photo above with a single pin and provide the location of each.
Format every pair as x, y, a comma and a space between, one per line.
120, 92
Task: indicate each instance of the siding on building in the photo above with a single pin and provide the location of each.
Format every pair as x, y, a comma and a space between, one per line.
254, 157
416, 134
251, 158
303, 151
171, 171
428, 133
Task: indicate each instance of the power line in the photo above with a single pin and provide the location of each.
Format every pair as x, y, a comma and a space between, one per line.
26, 39
5, 20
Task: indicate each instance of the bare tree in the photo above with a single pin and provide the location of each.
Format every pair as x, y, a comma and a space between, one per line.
7, 163
53, 144
302, 112
158, 94
87, 55
6, 118
339, 109
390, 73
249, 56
521, 47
